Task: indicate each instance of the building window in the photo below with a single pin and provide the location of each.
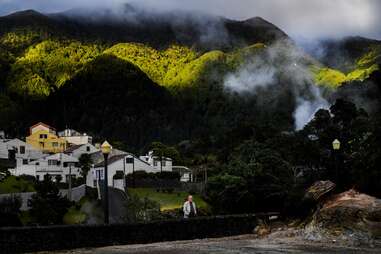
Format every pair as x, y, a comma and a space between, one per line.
43, 136
25, 161
87, 148
55, 144
164, 163
22, 149
37, 164
155, 163
129, 160
52, 163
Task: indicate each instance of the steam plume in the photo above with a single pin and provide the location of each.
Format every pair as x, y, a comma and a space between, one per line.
281, 61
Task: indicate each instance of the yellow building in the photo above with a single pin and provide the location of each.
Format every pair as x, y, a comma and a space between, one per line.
44, 137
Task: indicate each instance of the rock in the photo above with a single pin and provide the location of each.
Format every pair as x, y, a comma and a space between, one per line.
350, 213
319, 189
262, 230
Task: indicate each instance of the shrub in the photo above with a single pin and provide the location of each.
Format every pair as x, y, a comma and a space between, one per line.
9, 212
47, 205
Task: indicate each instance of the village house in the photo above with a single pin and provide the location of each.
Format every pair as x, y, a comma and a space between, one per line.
78, 150
16, 149
118, 165
58, 164
74, 137
44, 138
122, 165
159, 164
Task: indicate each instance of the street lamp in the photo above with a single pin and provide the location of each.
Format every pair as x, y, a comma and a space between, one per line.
336, 145
106, 150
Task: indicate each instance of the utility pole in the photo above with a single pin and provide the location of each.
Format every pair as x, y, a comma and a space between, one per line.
133, 171
106, 150
161, 162
106, 208
69, 193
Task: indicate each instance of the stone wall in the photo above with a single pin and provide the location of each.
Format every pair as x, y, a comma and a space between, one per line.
76, 194
30, 239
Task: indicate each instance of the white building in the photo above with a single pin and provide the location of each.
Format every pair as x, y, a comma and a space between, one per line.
74, 137
163, 164
186, 174
19, 150
122, 165
77, 150
59, 164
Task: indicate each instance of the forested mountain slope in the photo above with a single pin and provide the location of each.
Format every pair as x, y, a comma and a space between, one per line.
179, 75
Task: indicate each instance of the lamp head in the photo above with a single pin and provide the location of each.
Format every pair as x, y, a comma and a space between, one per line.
106, 148
336, 144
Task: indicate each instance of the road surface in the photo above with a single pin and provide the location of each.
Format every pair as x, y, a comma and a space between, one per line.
246, 244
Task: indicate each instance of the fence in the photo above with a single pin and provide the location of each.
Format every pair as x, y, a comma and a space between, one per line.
31, 239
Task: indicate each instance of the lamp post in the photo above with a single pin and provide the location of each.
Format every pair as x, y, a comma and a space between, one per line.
106, 150
336, 145
133, 172
69, 194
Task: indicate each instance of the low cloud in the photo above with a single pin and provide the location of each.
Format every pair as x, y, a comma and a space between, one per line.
301, 19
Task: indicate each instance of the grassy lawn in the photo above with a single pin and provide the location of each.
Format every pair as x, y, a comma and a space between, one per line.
168, 201
74, 216
13, 184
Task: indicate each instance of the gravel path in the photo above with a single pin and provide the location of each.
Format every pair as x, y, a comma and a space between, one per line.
246, 244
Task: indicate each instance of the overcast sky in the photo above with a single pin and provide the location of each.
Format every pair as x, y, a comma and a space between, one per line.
302, 19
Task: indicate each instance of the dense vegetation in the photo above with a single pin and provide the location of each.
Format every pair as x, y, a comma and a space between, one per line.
273, 174
362, 69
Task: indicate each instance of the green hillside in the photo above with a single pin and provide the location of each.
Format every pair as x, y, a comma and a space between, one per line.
47, 65
364, 66
180, 65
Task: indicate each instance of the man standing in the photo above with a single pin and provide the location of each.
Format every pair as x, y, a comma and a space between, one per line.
189, 208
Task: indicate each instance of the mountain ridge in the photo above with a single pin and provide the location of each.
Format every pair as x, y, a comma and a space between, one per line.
159, 33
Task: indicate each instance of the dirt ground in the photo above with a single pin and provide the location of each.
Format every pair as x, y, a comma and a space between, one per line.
231, 245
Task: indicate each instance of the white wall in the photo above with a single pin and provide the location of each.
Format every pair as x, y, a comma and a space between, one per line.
155, 162
78, 140
3, 149
84, 149
119, 165
41, 167
16, 144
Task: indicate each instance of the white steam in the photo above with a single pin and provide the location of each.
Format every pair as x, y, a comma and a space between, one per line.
306, 109
280, 66
251, 76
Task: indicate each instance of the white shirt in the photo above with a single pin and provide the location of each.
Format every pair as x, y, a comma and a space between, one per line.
187, 209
